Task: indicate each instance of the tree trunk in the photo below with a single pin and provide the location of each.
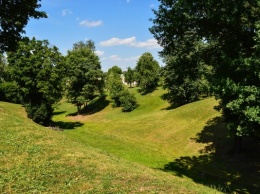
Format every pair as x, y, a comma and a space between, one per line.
79, 108
237, 144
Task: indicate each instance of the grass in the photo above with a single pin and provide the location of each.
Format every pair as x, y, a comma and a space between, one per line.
189, 141
34, 159
154, 149
150, 135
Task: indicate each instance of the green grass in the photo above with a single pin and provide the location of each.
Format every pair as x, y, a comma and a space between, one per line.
153, 149
188, 141
35, 159
150, 135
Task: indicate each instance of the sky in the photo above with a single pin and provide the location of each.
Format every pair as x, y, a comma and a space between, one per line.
119, 28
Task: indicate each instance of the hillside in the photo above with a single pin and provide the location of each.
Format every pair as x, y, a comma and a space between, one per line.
34, 159
189, 141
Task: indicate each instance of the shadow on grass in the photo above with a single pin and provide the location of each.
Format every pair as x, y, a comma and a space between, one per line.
239, 173
172, 105
61, 125
94, 106
58, 112
147, 91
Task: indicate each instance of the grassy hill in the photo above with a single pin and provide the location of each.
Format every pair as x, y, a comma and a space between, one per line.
154, 149
189, 141
34, 159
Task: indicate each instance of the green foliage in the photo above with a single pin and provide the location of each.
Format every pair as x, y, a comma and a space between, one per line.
115, 70
84, 76
129, 76
39, 112
128, 101
147, 69
115, 88
9, 92
2, 68
230, 32
185, 74
119, 94
14, 16
38, 71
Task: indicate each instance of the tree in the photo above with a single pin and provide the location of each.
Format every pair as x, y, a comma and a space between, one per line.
115, 89
37, 69
185, 74
85, 78
119, 95
229, 28
128, 101
148, 72
2, 68
14, 16
114, 70
129, 76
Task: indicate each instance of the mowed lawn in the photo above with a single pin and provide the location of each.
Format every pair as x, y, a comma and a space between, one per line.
36, 159
189, 141
153, 134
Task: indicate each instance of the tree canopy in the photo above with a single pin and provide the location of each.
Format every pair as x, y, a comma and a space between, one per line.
147, 69
14, 16
37, 68
129, 76
230, 32
84, 75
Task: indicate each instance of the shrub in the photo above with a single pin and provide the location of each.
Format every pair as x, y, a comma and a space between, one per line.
40, 113
128, 101
9, 92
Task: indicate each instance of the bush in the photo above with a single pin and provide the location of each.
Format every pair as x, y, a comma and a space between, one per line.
39, 113
9, 92
128, 101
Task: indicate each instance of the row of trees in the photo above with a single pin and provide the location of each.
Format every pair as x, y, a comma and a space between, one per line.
38, 76
216, 42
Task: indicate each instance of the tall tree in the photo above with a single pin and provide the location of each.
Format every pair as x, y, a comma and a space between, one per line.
230, 30
185, 74
85, 77
115, 70
14, 16
147, 69
37, 68
129, 76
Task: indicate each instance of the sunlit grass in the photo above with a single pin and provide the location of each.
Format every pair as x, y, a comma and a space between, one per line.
34, 159
151, 134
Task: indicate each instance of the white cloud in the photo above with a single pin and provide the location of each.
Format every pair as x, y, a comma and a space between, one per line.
66, 12
150, 43
118, 58
118, 41
99, 53
114, 58
90, 24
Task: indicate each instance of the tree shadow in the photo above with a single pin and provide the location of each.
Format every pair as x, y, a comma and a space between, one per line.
239, 173
58, 112
172, 105
96, 105
147, 91
61, 125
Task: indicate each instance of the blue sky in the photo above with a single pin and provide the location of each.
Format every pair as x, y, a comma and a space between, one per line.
119, 28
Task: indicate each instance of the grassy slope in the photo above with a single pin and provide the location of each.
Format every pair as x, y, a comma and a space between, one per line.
151, 134
34, 159
189, 141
